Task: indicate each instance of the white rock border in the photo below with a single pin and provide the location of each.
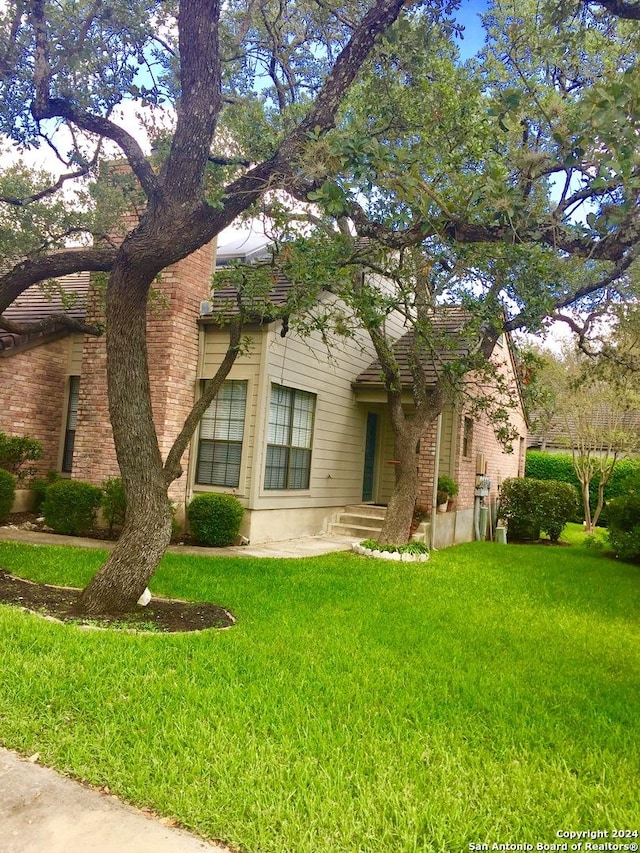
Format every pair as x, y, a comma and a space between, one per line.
389, 555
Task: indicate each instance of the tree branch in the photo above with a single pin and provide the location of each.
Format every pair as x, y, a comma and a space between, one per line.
31, 271
172, 466
629, 9
49, 324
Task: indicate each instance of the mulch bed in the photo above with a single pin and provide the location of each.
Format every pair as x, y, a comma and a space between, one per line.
161, 615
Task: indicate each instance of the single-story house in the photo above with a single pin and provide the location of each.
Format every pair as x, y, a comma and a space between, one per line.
300, 434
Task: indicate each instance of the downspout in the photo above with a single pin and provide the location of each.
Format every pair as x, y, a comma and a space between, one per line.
434, 492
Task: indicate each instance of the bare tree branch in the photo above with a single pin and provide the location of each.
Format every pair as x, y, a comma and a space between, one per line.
49, 324
31, 271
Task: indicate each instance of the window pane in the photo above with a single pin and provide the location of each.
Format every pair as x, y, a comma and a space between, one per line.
302, 419
221, 434
299, 468
290, 435
219, 463
275, 475
72, 421
279, 415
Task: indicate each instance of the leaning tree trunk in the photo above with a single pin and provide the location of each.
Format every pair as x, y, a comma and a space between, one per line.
147, 530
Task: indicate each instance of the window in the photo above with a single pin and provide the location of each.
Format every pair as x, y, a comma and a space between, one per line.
288, 464
221, 435
72, 421
467, 438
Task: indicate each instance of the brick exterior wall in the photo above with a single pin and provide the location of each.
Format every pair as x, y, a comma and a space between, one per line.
34, 388
426, 466
172, 341
499, 465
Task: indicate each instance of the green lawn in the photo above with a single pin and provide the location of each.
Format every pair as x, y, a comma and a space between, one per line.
490, 695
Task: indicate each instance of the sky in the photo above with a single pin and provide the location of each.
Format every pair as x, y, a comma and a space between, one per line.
473, 37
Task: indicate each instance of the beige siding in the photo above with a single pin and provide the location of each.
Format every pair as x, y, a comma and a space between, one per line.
75, 355
337, 456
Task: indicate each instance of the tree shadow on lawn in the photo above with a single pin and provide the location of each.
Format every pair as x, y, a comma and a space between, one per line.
161, 615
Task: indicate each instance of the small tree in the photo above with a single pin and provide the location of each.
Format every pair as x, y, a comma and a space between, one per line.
601, 432
16, 451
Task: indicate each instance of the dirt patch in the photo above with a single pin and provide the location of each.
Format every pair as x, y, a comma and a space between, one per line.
162, 615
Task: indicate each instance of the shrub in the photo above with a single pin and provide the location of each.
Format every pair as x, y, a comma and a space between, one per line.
70, 506
215, 519
559, 504
519, 506
624, 522
16, 451
531, 506
7, 493
39, 486
114, 502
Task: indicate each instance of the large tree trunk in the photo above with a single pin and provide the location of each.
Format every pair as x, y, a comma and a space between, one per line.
397, 523
147, 530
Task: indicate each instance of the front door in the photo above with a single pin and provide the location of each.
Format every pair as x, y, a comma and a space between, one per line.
370, 456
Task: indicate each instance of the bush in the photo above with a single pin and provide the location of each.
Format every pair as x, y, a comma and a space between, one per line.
519, 507
70, 506
7, 493
624, 522
114, 502
559, 504
530, 506
16, 451
39, 486
215, 519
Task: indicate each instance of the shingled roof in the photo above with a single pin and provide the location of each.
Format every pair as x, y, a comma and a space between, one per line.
449, 329
223, 302
35, 304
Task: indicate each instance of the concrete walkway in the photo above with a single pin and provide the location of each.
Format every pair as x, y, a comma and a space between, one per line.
306, 546
44, 812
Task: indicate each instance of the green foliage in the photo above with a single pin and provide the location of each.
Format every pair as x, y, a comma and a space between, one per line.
215, 519
7, 493
559, 503
530, 506
70, 506
623, 515
406, 548
447, 486
114, 502
39, 486
16, 451
559, 466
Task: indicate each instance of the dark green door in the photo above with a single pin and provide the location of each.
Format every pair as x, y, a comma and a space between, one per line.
369, 456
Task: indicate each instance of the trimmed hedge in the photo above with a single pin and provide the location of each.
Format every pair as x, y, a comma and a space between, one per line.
559, 466
70, 506
530, 506
624, 522
214, 519
7, 493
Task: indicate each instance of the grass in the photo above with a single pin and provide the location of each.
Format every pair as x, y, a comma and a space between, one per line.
489, 695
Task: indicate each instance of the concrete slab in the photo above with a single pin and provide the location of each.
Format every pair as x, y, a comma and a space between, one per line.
44, 812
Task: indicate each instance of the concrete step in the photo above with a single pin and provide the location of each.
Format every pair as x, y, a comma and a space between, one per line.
360, 519
358, 532
367, 509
